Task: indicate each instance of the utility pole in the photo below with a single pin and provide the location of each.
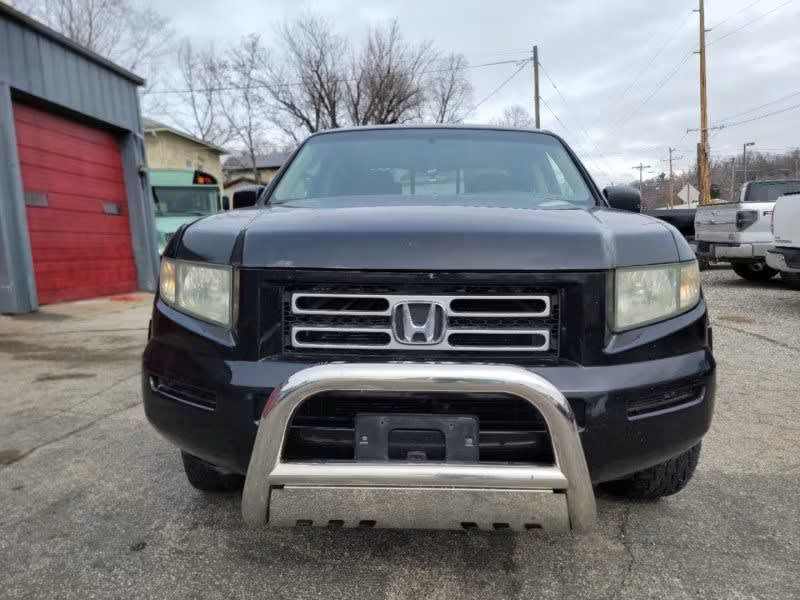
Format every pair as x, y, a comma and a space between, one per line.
669, 198
733, 179
641, 168
536, 86
744, 158
704, 170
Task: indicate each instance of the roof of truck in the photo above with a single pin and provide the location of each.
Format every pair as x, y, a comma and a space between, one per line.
433, 126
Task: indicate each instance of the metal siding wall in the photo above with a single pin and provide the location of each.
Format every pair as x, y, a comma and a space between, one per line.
17, 285
140, 212
16, 57
4, 51
37, 65
33, 62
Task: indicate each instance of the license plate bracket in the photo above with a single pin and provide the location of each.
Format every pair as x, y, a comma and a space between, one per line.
417, 438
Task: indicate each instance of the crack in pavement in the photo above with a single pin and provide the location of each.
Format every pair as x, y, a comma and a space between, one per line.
71, 409
61, 438
759, 336
623, 532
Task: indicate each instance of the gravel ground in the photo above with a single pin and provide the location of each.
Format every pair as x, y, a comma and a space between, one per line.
95, 505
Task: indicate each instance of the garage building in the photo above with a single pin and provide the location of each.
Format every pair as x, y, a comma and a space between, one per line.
76, 217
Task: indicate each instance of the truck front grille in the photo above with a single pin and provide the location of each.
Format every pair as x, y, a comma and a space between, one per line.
510, 429
475, 322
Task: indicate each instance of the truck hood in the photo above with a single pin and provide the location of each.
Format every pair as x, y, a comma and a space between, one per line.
435, 238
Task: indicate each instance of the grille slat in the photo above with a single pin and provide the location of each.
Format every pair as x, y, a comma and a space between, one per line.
491, 321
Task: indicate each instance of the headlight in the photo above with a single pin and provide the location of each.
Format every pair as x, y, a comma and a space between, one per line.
647, 294
199, 289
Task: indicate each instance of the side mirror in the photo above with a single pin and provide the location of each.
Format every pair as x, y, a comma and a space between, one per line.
247, 196
624, 197
226, 203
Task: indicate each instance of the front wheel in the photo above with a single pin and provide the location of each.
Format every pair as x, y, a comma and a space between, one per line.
664, 479
791, 279
757, 271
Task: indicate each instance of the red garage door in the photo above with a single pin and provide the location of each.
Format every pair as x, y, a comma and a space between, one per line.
76, 207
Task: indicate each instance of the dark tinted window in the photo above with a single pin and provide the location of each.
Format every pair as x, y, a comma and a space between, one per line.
440, 166
769, 191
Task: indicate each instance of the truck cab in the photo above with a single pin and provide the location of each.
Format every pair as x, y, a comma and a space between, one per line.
784, 256
739, 232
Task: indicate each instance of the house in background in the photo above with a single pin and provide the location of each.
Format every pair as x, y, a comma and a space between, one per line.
170, 148
239, 170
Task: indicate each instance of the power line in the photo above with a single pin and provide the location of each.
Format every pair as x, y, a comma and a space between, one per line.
759, 117
499, 87
577, 119
755, 108
748, 23
625, 120
569, 131
225, 88
737, 13
655, 56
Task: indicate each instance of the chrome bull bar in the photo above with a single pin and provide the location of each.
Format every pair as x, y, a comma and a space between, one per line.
426, 495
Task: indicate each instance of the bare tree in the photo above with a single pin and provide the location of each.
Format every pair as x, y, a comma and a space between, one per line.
128, 32
387, 79
449, 90
243, 104
515, 116
199, 74
304, 82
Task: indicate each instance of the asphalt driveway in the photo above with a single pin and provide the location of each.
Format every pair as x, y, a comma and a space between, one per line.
93, 503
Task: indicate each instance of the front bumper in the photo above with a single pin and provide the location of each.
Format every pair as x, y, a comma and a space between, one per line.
784, 259
616, 441
437, 495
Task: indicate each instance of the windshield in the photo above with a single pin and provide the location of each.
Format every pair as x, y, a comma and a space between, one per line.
770, 191
434, 166
175, 201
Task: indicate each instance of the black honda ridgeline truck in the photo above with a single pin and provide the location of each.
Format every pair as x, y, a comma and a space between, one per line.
468, 245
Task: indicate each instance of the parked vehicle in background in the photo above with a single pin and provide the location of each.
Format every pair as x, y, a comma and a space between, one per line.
785, 255
681, 219
181, 196
740, 232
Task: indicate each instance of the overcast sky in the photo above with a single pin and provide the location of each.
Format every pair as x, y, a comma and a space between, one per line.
599, 55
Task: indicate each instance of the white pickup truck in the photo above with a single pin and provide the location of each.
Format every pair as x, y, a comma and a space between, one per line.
785, 255
740, 232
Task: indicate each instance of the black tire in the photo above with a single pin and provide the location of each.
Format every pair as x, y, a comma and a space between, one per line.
209, 478
758, 271
792, 280
664, 479
703, 264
